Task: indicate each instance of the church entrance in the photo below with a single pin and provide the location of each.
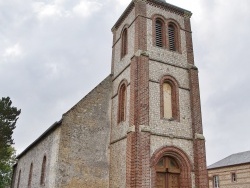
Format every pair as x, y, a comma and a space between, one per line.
167, 173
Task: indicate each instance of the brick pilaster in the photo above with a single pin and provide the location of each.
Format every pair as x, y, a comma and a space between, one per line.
138, 142
200, 167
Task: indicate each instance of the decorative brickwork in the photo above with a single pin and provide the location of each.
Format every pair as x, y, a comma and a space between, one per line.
200, 166
182, 160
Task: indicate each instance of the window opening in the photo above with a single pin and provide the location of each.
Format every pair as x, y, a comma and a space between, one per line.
122, 104
30, 174
167, 100
172, 37
158, 33
216, 181
233, 177
42, 182
124, 50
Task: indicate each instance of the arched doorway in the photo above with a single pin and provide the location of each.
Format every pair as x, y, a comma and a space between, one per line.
167, 173
170, 168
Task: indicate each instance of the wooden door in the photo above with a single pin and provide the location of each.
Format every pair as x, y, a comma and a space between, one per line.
160, 180
167, 173
173, 181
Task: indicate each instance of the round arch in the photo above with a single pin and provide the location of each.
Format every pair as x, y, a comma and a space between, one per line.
182, 160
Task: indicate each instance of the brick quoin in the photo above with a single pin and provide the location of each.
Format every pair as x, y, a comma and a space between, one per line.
138, 156
200, 165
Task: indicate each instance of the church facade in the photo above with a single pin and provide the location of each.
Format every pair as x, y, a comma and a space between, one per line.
141, 127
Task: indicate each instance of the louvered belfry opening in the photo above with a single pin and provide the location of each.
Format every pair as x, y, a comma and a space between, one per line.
124, 43
172, 37
158, 33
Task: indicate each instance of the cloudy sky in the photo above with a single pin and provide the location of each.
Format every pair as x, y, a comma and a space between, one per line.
53, 52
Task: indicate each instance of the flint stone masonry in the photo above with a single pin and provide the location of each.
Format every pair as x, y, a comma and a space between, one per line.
47, 146
118, 67
84, 153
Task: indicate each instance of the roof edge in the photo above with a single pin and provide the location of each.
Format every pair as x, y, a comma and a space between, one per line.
227, 166
48, 131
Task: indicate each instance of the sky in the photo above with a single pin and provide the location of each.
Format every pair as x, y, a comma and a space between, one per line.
53, 52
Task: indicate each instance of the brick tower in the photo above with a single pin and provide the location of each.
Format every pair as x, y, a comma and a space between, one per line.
156, 137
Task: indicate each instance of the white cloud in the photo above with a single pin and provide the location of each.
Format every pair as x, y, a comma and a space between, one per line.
86, 8
13, 51
49, 10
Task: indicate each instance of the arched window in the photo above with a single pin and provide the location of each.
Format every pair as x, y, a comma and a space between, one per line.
43, 171
124, 47
172, 37
122, 103
169, 98
159, 27
19, 177
30, 175
167, 173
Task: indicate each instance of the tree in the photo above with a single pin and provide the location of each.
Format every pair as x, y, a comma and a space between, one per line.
6, 167
8, 118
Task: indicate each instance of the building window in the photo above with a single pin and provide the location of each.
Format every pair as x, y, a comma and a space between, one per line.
173, 37
159, 27
43, 171
234, 177
169, 99
122, 103
216, 181
124, 47
30, 175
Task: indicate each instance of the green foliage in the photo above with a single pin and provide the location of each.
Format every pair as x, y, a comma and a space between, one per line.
8, 118
6, 167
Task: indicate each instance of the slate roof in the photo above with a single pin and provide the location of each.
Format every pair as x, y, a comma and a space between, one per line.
234, 159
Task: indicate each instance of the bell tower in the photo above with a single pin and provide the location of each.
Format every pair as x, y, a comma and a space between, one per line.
156, 138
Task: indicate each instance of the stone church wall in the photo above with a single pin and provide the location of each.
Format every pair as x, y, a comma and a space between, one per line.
121, 63
48, 146
84, 152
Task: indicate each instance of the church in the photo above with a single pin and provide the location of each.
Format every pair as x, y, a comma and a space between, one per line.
141, 127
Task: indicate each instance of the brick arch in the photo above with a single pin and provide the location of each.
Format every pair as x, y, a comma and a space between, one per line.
177, 27
126, 26
124, 81
122, 101
181, 158
162, 19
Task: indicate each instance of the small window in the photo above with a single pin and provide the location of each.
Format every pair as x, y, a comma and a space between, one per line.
43, 171
169, 99
159, 33
216, 182
30, 175
124, 48
122, 103
172, 38
234, 177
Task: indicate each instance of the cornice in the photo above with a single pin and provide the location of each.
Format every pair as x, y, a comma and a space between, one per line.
166, 6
